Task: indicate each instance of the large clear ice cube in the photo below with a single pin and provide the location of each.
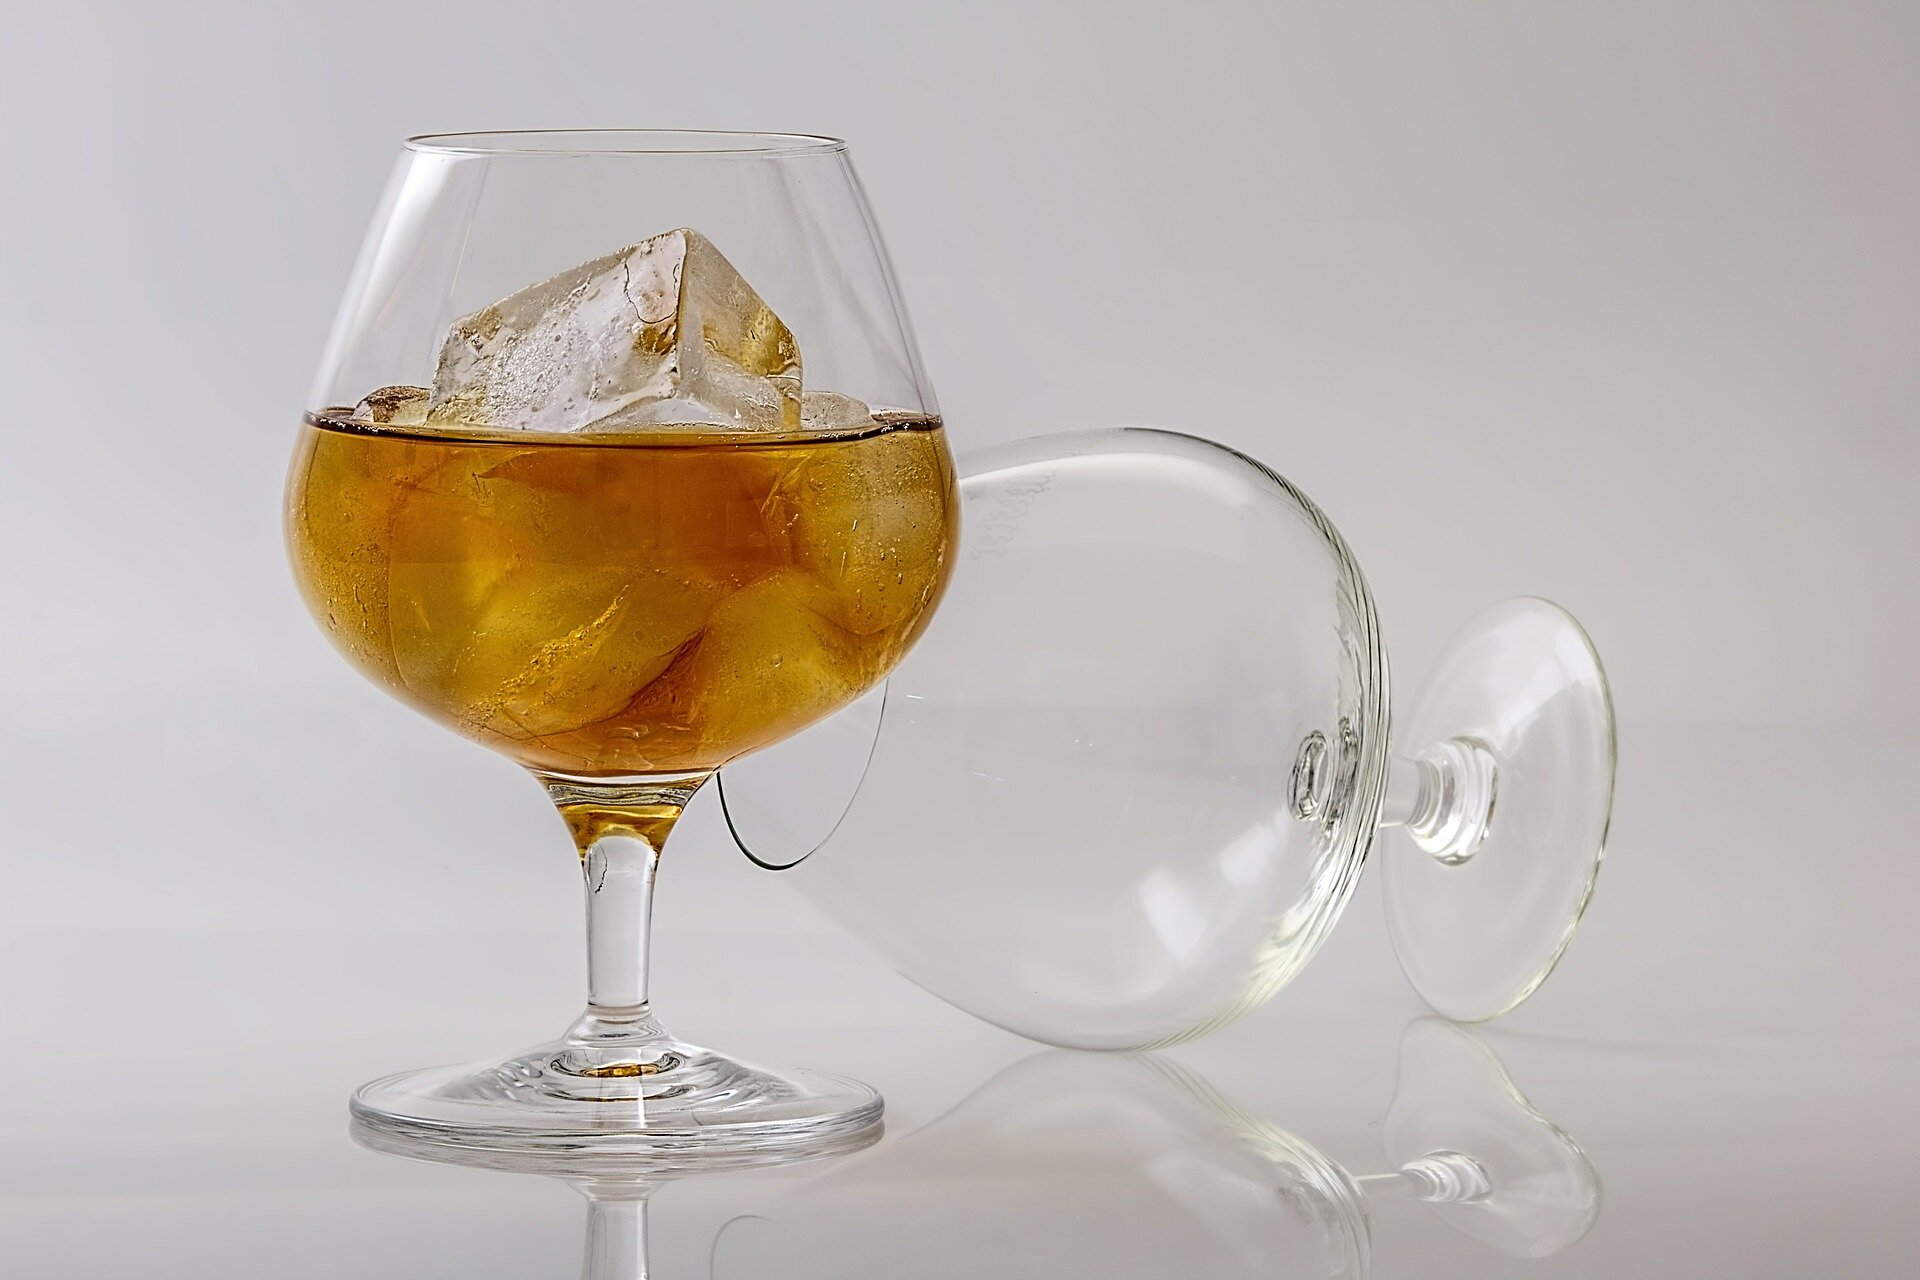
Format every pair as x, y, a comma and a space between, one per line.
664, 332
394, 406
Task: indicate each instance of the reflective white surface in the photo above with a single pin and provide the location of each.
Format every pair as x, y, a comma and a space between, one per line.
1731, 1045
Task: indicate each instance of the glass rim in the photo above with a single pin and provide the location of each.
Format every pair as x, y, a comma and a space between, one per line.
624, 142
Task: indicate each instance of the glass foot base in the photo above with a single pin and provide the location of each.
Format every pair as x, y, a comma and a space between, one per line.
680, 1102
1517, 709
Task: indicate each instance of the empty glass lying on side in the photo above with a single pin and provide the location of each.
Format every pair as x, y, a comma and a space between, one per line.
1124, 786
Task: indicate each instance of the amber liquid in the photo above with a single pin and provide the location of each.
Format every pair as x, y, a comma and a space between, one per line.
650, 604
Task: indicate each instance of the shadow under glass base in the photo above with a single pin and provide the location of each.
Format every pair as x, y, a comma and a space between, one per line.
679, 1100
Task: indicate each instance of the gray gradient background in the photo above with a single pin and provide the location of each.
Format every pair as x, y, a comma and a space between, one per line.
1612, 302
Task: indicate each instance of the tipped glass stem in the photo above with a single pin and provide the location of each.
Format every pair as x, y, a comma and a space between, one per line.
1439, 1177
1444, 797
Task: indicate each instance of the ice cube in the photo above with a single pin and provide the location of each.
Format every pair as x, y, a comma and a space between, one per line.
769, 661
509, 612
831, 411
558, 652
536, 651
394, 406
873, 519
662, 332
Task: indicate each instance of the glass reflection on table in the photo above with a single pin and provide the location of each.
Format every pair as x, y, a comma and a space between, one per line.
1118, 1165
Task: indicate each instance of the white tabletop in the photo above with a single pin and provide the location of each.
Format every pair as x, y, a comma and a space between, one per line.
1725, 1041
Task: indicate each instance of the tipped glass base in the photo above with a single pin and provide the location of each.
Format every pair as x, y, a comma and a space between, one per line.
677, 1101
1482, 901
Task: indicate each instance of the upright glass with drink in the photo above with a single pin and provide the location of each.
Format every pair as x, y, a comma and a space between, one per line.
621, 463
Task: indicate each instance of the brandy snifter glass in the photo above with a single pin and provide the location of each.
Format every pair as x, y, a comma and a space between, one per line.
621, 463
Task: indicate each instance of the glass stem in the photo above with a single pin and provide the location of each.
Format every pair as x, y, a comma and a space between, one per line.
619, 873
1439, 1177
1444, 797
619, 828
1383, 1186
